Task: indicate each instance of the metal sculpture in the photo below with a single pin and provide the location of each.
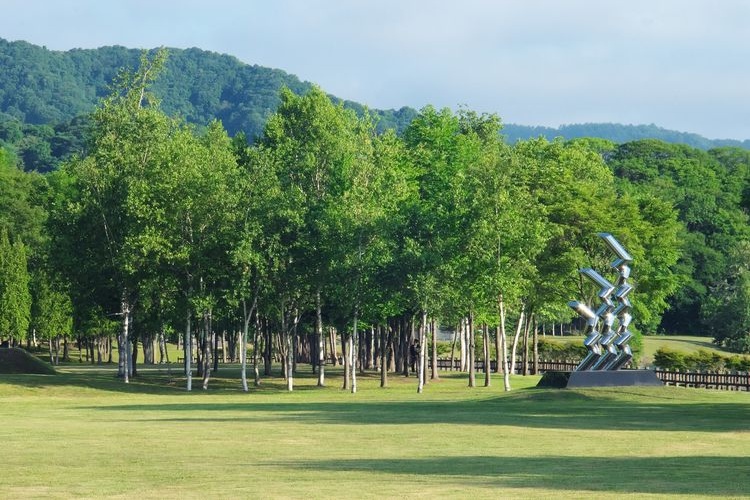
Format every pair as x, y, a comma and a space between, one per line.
608, 348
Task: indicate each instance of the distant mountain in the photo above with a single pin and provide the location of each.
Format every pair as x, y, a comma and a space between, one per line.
618, 133
45, 95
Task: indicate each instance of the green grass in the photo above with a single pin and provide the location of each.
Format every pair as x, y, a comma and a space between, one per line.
83, 433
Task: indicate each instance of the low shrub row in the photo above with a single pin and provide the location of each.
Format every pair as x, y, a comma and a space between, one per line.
701, 360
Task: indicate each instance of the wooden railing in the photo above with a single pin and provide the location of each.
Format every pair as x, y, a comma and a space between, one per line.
737, 381
544, 366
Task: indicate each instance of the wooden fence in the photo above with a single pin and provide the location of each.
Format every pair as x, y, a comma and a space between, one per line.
544, 366
737, 381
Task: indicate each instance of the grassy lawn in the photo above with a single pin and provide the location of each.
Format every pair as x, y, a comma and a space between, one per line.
83, 433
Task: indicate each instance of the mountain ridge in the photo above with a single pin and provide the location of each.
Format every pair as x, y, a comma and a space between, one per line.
39, 87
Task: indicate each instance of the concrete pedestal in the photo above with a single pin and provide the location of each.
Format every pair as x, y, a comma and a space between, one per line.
614, 378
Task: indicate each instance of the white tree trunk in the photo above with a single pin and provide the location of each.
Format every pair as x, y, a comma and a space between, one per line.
188, 347
471, 349
353, 353
243, 347
125, 312
502, 355
514, 348
321, 340
462, 334
433, 361
487, 363
420, 354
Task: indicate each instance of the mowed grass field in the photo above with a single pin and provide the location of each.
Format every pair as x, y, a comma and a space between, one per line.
85, 434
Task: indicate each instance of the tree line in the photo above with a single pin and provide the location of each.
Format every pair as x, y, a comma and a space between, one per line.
326, 231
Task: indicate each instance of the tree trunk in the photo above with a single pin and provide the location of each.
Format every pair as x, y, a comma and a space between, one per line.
187, 344
148, 349
434, 375
384, 341
536, 347
345, 354
334, 348
51, 356
162, 345
453, 348
267, 348
320, 340
407, 341
471, 348
125, 345
246, 317
133, 354
370, 348
295, 346
464, 345
487, 364
224, 346
256, 349
421, 351
503, 344
514, 347
354, 352
526, 343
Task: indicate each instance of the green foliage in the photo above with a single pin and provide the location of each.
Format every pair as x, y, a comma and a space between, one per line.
52, 311
309, 196
15, 296
707, 190
554, 350
701, 360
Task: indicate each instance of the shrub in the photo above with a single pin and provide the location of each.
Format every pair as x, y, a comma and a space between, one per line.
669, 360
738, 363
701, 360
551, 350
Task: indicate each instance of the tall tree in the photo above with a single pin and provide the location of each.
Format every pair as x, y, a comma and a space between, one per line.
315, 143
128, 132
15, 295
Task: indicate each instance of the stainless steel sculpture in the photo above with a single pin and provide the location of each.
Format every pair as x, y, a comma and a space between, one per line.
608, 348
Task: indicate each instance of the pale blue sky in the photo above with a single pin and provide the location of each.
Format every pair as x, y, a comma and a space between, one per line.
681, 64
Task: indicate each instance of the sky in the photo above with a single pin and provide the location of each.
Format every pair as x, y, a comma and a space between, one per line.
679, 64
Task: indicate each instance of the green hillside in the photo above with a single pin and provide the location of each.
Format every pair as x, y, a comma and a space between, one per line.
45, 96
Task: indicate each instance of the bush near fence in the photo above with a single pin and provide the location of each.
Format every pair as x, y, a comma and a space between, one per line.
701, 361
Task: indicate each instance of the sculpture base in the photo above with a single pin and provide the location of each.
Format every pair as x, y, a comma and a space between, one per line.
611, 378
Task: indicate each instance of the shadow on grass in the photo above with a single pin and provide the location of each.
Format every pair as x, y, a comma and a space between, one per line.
553, 409
155, 379
702, 344
722, 476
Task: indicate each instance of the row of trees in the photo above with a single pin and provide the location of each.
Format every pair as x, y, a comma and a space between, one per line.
325, 228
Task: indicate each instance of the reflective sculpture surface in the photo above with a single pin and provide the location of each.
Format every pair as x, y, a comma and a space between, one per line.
608, 349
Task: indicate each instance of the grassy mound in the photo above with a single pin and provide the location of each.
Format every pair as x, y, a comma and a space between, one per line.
19, 361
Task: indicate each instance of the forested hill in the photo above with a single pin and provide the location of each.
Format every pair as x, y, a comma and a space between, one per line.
44, 94
40, 86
